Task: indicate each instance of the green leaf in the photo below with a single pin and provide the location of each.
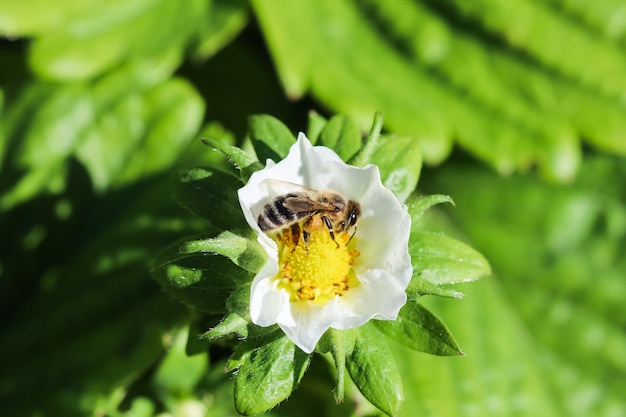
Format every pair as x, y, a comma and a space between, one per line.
538, 31
372, 140
268, 375
400, 163
440, 259
399, 159
241, 251
46, 126
271, 138
242, 161
98, 285
114, 116
420, 286
201, 280
232, 323
81, 47
558, 294
173, 112
212, 195
502, 367
239, 301
179, 373
223, 22
315, 126
342, 135
419, 329
374, 371
418, 205
477, 98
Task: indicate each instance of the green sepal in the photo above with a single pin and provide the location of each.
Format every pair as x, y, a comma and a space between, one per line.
232, 323
342, 135
372, 140
243, 252
373, 369
440, 259
212, 195
400, 161
419, 329
238, 157
398, 157
268, 373
315, 126
339, 343
270, 137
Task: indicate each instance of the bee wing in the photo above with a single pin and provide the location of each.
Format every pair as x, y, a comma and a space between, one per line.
279, 187
302, 203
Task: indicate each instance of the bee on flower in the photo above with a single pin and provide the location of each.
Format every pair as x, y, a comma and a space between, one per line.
321, 272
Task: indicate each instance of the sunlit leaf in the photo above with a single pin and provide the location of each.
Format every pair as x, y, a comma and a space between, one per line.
268, 375
271, 138
374, 371
212, 195
419, 329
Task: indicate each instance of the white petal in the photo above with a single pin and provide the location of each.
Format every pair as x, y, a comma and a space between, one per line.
266, 302
310, 321
378, 297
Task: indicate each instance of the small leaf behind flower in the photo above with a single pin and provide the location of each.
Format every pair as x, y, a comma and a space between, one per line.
212, 195
238, 157
400, 161
270, 137
243, 252
373, 369
419, 329
342, 135
268, 374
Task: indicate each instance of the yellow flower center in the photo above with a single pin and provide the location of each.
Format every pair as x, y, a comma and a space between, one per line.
316, 270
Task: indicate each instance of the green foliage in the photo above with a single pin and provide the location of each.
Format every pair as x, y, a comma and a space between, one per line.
552, 322
268, 373
419, 329
374, 371
213, 276
439, 81
101, 103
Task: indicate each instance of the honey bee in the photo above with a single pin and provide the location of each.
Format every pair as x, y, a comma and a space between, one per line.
310, 210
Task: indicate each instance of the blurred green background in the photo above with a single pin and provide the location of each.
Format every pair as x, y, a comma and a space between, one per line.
519, 108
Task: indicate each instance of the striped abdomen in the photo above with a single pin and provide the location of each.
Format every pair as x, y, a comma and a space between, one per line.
276, 216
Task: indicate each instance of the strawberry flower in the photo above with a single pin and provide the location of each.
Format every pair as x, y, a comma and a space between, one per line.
341, 283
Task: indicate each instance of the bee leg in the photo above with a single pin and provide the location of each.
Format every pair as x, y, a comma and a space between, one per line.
330, 229
352, 235
295, 235
305, 237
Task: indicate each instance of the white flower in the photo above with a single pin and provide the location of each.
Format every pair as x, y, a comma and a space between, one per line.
308, 288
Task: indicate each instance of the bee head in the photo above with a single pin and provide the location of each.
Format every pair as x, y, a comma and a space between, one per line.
354, 211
